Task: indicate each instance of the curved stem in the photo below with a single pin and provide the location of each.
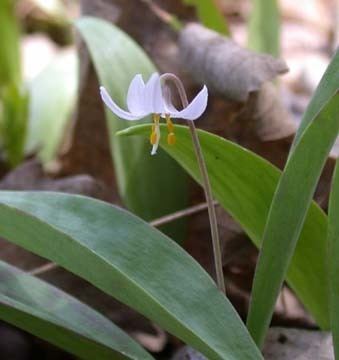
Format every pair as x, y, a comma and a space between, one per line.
205, 182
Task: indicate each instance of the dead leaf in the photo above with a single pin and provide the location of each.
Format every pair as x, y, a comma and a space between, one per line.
272, 120
286, 343
283, 344
334, 154
225, 67
187, 353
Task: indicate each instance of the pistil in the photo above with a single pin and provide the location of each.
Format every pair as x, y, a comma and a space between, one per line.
155, 134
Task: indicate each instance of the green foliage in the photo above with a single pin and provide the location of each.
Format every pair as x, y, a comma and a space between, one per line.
320, 126
210, 15
244, 185
9, 44
264, 27
13, 96
55, 316
128, 259
13, 121
150, 186
333, 256
52, 99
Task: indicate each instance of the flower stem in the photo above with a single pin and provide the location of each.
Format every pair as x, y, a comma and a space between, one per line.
205, 183
211, 209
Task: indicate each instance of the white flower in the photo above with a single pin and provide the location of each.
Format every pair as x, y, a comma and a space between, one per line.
142, 100
151, 98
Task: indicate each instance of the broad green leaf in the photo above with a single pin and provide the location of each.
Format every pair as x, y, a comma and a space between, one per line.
137, 264
244, 185
333, 256
291, 203
49, 313
52, 99
210, 15
264, 27
150, 186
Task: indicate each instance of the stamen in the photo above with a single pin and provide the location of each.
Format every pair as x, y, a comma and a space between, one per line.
170, 125
153, 138
171, 139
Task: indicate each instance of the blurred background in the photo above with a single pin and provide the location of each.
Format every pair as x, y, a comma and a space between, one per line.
54, 134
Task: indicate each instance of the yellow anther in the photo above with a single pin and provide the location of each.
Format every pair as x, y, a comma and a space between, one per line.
171, 139
153, 138
170, 125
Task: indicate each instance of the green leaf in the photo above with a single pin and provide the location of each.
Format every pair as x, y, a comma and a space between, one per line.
13, 121
327, 88
49, 313
125, 257
264, 27
291, 203
150, 186
10, 70
333, 256
13, 96
244, 185
210, 15
52, 99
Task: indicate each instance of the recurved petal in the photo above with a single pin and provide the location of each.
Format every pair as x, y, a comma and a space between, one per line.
135, 95
195, 108
153, 95
168, 103
115, 108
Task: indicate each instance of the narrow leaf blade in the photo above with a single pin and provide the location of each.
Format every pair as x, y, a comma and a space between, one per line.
264, 27
327, 88
333, 256
290, 205
10, 69
210, 15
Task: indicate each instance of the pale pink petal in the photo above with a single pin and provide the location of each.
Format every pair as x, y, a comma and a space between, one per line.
135, 95
195, 109
115, 108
